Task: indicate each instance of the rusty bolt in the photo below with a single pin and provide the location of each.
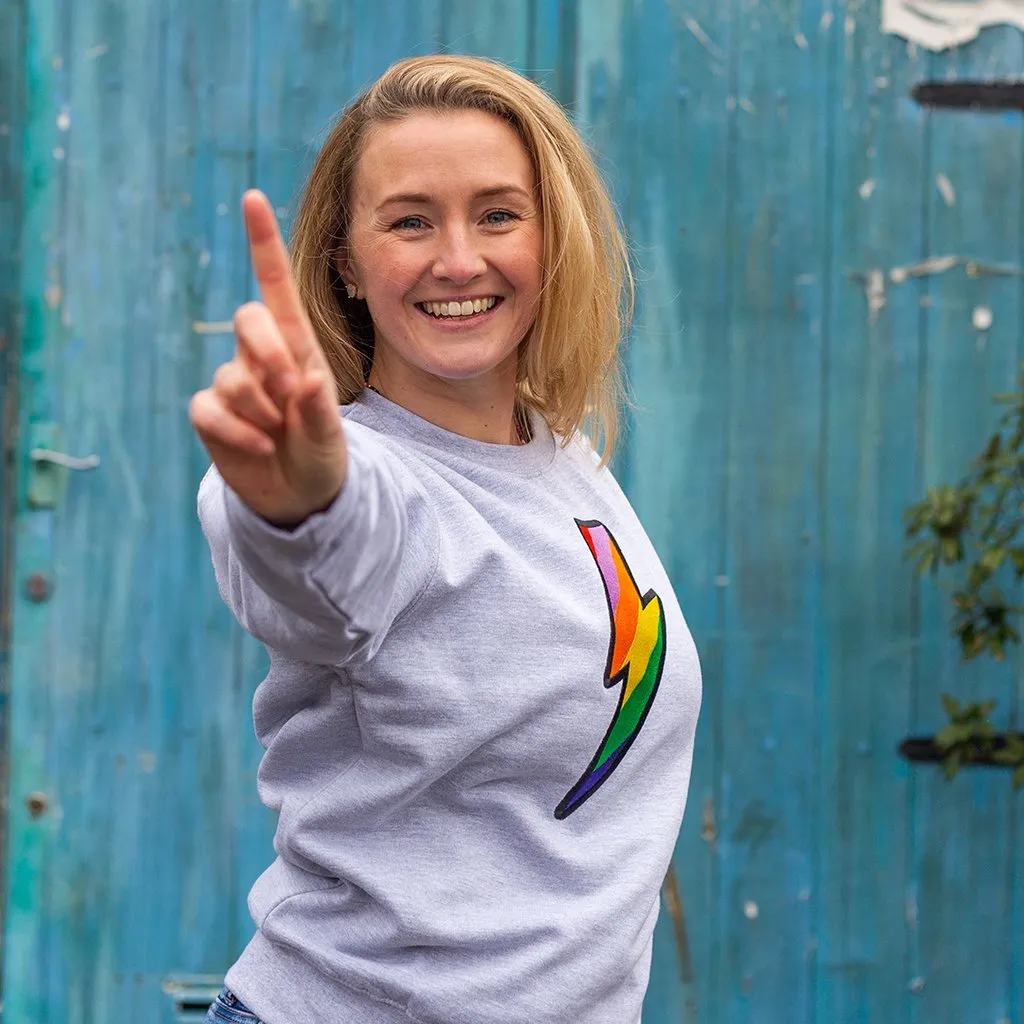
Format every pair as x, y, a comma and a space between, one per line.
38, 587
36, 804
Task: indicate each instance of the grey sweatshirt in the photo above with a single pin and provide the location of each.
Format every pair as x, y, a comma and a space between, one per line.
478, 726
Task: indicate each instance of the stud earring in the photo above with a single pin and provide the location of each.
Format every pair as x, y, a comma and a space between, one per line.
350, 290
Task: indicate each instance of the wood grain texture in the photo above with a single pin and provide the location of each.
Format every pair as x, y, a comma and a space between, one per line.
870, 473
12, 120
964, 846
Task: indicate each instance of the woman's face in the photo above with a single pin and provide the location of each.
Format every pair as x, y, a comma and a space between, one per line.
445, 246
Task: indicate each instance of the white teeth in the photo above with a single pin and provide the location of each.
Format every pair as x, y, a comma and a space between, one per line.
453, 309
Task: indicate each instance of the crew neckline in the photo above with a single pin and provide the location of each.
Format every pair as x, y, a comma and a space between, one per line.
527, 459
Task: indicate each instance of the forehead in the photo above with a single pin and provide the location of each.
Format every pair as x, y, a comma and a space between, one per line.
441, 153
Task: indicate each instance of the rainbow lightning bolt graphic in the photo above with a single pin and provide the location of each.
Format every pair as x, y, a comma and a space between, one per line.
636, 655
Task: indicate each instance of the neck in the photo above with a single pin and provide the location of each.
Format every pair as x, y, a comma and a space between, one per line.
480, 410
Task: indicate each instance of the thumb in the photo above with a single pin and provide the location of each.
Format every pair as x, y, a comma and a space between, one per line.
317, 408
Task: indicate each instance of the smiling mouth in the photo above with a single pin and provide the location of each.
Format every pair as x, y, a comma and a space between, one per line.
465, 310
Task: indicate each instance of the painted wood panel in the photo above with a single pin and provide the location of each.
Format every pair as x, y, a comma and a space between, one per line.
872, 378
772, 171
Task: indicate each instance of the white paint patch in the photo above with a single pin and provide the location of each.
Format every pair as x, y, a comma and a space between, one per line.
867, 189
746, 105
851, 24
826, 21
58, 153
204, 258
945, 186
63, 121
801, 41
721, 581
96, 51
940, 24
213, 327
751, 910
694, 28
874, 289
932, 265
981, 318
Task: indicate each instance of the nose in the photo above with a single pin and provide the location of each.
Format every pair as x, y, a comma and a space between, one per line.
459, 258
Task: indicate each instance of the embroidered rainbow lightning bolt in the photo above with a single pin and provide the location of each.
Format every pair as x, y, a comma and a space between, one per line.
636, 655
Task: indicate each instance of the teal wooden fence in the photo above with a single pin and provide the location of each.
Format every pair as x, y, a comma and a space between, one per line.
793, 394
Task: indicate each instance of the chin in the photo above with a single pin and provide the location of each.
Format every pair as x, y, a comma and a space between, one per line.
467, 365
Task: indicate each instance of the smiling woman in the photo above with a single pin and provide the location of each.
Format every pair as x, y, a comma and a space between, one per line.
450, 272
451, 131
472, 829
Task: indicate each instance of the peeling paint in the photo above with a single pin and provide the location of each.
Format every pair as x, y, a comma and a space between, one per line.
97, 51
982, 318
751, 911
945, 186
801, 41
674, 906
213, 327
874, 290
941, 24
867, 189
694, 28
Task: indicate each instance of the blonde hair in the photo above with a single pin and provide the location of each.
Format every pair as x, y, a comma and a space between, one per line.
568, 365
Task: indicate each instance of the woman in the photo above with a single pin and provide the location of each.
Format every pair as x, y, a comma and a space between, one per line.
482, 697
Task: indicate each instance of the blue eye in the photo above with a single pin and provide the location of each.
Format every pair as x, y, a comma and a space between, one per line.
409, 224
504, 217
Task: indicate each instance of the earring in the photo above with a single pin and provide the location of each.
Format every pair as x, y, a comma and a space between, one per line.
350, 290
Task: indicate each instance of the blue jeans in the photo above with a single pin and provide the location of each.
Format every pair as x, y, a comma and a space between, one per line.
227, 1008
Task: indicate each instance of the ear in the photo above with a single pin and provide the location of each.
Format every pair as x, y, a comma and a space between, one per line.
346, 274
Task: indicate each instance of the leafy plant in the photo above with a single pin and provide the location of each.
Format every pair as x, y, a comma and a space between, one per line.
978, 525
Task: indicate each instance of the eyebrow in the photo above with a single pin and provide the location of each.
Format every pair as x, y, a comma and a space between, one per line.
487, 193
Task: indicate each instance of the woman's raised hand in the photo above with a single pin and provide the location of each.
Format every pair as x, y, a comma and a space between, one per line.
270, 419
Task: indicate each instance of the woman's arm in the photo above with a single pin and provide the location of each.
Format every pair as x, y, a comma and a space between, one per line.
310, 540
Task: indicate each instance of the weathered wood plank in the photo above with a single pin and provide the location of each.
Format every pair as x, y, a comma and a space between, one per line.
870, 473
770, 746
678, 200
499, 29
12, 119
33, 838
963, 848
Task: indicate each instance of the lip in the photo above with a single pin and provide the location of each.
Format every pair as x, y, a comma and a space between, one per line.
461, 298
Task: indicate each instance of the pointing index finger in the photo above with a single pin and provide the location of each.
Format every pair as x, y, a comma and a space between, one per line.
274, 275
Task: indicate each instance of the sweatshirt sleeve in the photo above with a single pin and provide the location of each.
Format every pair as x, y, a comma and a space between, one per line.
328, 591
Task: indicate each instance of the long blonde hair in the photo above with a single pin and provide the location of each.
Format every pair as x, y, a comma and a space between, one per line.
568, 365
